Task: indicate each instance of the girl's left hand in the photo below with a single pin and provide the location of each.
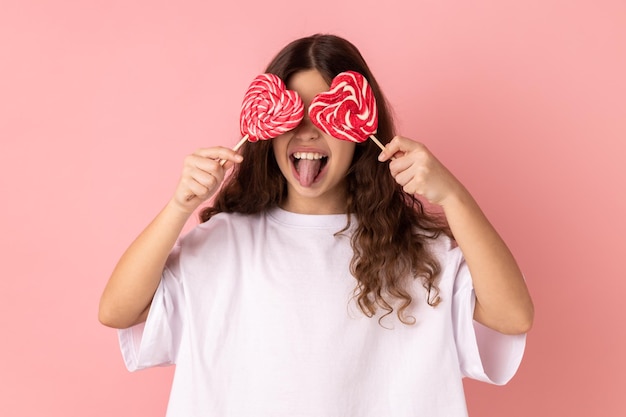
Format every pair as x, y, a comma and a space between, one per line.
417, 170
502, 299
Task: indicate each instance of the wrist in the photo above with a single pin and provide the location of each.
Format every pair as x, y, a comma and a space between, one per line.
177, 212
457, 197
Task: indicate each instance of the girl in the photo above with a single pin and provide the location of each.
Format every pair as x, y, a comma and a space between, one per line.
317, 284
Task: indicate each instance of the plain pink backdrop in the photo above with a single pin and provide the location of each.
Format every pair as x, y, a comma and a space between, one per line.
101, 100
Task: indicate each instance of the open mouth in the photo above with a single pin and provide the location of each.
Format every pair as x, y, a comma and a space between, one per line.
308, 166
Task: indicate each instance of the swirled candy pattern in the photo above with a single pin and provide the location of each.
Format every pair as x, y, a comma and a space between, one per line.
269, 109
348, 110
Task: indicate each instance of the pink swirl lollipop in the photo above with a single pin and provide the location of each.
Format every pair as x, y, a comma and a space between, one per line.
269, 109
348, 110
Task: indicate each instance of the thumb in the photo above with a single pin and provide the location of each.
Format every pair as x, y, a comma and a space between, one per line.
392, 150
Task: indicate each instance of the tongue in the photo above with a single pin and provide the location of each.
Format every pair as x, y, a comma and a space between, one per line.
308, 169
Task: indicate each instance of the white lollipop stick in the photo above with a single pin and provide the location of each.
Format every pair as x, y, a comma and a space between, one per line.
237, 146
377, 142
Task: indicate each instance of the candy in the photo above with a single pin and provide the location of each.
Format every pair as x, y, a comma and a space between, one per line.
348, 110
269, 109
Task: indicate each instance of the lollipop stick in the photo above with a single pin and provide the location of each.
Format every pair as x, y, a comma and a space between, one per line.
241, 142
223, 161
377, 142
237, 146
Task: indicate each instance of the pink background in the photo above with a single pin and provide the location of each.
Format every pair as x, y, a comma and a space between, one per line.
101, 100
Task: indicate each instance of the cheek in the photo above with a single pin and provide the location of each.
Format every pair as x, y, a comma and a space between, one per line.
346, 153
279, 148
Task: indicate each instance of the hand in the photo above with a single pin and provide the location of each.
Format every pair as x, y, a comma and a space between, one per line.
417, 170
502, 299
203, 172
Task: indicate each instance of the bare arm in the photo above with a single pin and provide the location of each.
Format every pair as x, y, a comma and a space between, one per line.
128, 294
503, 302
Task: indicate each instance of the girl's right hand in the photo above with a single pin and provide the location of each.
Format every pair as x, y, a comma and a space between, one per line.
128, 294
203, 172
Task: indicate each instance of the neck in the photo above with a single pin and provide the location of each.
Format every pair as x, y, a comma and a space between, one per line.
314, 206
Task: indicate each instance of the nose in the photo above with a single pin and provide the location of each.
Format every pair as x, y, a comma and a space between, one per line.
306, 130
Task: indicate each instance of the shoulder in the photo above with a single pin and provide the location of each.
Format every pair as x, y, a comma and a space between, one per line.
221, 237
439, 245
222, 220
446, 251
219, 227
226, 219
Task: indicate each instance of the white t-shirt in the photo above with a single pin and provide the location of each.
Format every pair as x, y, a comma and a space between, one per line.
257, 313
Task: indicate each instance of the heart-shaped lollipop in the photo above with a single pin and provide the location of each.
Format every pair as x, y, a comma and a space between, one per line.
269, 109
348, 110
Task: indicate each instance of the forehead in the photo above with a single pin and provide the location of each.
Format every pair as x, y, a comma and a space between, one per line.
307, 84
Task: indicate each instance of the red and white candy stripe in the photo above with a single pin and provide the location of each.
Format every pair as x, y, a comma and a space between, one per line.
348, 110
269, 109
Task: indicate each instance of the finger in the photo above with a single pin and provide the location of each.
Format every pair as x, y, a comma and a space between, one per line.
396, 148
200, 177
400, 164
387, 154
202, 163
406, 177
226, 157
196, 189
229, 162
219, 153
207, 179
215, 166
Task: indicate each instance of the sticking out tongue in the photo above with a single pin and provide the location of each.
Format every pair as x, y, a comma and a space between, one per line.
308, 170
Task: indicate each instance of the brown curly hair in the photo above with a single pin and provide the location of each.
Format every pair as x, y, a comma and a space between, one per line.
392, 227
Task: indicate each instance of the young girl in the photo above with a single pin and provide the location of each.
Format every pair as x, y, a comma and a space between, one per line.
317, 284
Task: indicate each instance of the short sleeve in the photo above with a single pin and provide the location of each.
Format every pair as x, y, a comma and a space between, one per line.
155, 342
484, 354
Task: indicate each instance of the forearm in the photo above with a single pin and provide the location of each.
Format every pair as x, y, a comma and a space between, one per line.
503, 302
128, 294
502, 299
